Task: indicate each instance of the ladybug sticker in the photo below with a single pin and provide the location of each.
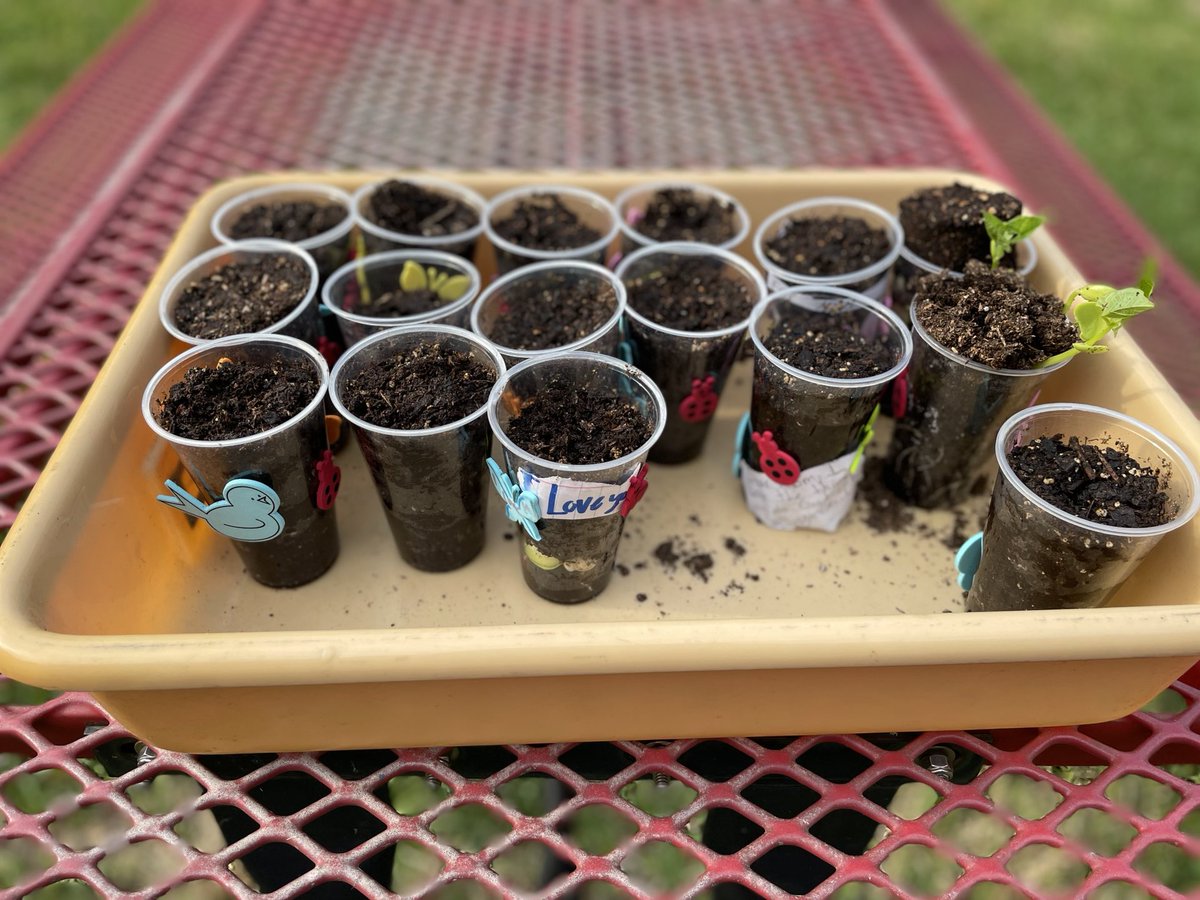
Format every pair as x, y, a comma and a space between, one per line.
701, 403
900, 396
635, 491
778, 465
329, 480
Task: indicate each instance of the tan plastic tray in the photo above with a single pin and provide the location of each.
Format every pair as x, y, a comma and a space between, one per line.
104, 590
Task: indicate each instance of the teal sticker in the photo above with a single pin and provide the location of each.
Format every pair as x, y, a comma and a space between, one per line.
247, 511
739, 444
966, 560
520, 506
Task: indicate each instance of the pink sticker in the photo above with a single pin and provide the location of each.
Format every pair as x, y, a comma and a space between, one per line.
778, 465
329, 480
701, 403
635, 491
900, 396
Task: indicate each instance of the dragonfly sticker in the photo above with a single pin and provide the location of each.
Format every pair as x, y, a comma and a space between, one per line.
247, 511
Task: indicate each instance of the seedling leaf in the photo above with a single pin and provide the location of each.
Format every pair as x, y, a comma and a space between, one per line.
1102, 309
1004, 235
1149, 274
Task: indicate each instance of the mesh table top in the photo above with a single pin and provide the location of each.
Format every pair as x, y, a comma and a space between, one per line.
197, 90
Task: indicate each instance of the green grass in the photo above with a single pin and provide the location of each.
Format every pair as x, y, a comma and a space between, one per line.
1119, 78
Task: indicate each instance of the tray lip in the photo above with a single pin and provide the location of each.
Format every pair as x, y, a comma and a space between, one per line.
247, 659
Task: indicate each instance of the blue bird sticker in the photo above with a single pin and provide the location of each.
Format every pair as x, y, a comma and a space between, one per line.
966, 560
520, 506
247, 511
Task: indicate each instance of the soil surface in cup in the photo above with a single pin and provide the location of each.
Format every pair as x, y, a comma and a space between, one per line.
552, 310
565, 423
409, 208
681, 214
1102, 484
994, 317
828, 245
242, 297
425, 386
944, 225
829, 344
287, 220
236, 399
543, 222
690, 293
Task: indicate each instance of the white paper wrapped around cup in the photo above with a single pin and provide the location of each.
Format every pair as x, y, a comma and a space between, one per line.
819, 499
567, 499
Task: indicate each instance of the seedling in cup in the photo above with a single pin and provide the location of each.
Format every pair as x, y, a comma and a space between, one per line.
1004, 235
1102, 309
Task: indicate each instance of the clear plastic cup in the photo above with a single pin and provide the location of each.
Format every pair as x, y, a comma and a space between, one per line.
590, 207
504, 295
631, 205
329, 249
289, 459
909, 267
941, 450
573, 559
304, 320
689, 367
377, 239
372, 276
814, 418
1037, 556
871, 280
432, 481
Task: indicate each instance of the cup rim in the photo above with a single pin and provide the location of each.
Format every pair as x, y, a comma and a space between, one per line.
855, 298
420, 241
1180, 461
692, 248
627, 369
255, 245
233, 341
1026, 244
937, 345
437, 257
533, 190
552, 265
321, 239
697, 187
426, 328
891, 225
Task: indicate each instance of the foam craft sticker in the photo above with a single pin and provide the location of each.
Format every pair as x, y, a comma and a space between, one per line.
565, 499
701, 403
777, 464
331, 350
614, 260
519, 505
247, 511
900, 396
329, 480
635, 492
819, 499
333, 429
967, 560
868, 434
625, 352
739, 444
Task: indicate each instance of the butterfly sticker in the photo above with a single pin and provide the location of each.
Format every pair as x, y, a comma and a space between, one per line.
520, 506
967, 559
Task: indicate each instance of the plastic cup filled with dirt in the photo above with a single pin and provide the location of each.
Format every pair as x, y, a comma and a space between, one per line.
551, 307
400, 287
248, 287
979, 346
418, 213
830, 242
543, 223
1082, 496
687, 306
246, 417
665, 212
944, 230
417, 396
575, 429
823, 357
314, 217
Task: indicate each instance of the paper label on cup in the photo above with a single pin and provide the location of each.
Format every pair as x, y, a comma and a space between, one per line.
564, 498
819, 499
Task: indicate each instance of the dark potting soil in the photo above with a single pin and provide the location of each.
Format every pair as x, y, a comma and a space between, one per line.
1098, 483
680, 214
543, 222
409, 208
552, 311
242, 297
832, 245
236, 399
399, 303
993, 317
586, 553
830, 345
566, 424
291, 220
691, 293
944, 225
428, 385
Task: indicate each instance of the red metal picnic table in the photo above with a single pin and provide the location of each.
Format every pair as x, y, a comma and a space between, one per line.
197, 90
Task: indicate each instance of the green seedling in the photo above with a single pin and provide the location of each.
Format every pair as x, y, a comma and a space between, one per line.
1005, 235
448, 287
1103, 309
